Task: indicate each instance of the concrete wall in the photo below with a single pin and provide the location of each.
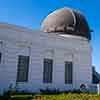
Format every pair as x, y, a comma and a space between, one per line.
38, 46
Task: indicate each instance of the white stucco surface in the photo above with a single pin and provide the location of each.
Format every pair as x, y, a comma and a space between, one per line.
16, 41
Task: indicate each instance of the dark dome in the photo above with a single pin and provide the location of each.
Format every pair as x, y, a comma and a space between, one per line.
66, 21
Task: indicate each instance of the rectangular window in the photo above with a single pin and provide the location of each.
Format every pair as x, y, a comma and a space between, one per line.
23, 67
68, 72
48, 69
0, 57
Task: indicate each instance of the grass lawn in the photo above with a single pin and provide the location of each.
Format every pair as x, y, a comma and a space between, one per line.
62, 96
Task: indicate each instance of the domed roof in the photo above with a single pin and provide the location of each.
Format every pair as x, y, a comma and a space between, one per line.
66, 21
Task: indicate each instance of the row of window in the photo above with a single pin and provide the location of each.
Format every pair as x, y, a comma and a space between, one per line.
23, 68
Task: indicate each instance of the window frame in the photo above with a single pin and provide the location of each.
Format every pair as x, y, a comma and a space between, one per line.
47, 80
68, 72
20, 70
0, 57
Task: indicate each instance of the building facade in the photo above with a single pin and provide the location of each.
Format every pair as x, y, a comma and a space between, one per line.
58, 56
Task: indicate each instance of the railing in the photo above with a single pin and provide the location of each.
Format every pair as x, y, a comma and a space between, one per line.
98, 88
94, 88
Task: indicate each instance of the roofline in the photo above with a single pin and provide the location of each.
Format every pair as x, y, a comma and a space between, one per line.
4, 25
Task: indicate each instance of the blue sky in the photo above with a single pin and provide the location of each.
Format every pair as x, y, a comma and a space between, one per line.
30, 13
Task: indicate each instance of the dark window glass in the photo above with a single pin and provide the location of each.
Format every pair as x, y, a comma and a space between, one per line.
68, 72
23, 67
47, 72
0, 56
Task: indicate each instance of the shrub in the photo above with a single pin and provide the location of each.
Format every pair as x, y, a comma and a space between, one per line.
49, 91
73, 91
16, 95
57, 91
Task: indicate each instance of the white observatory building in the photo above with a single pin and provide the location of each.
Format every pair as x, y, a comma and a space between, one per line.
58, 56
